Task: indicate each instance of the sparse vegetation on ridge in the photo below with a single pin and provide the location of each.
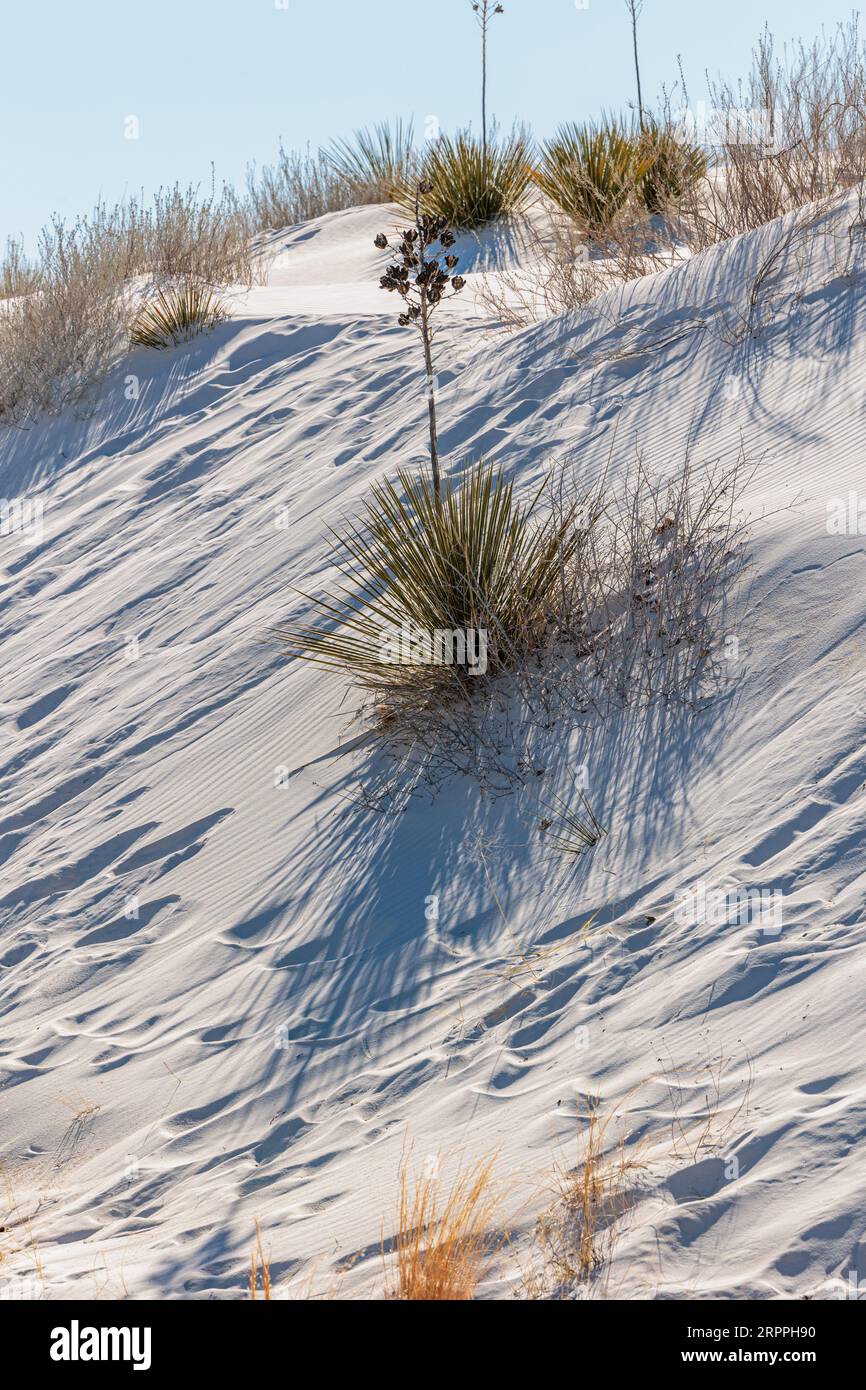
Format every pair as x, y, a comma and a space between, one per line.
297, 188
75, 307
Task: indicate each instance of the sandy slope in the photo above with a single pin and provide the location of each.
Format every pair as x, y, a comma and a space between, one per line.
220, 996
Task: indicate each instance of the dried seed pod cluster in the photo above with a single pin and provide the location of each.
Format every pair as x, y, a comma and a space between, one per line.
422, 279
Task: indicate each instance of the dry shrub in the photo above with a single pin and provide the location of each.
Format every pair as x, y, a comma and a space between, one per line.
443, 1247
58, 341
793, 133
645, 603
18, 275
185, 237
74, 310
295, 189
555, 274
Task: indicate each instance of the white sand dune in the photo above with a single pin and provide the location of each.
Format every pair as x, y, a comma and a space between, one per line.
221, 999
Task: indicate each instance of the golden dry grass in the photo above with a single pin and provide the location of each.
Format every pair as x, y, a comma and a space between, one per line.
260, 1269
444, 1246
17, 1239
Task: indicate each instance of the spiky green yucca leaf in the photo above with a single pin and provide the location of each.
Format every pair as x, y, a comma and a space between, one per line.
176, 315
589, 172
671, 166
375, 164
470, 185
474, 560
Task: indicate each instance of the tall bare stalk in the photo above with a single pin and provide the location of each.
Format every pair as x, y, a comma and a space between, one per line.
634, 8
484, 11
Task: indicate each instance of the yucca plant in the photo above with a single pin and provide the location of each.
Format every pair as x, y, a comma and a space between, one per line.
375, 165
471, 184
177, 314
470, 560
572, 828
670, 165
589, 171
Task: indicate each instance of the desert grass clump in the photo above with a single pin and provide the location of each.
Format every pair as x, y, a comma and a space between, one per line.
472, 183
444, 1246
589, 172
375, 164
576, 1235
429, 578
176, 315
260, 1270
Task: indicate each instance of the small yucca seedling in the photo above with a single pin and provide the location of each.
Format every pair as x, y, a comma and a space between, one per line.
572, 830
176, 315
376, 164
589, 172
473, 183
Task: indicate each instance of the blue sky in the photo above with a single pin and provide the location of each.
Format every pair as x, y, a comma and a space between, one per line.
223, 80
